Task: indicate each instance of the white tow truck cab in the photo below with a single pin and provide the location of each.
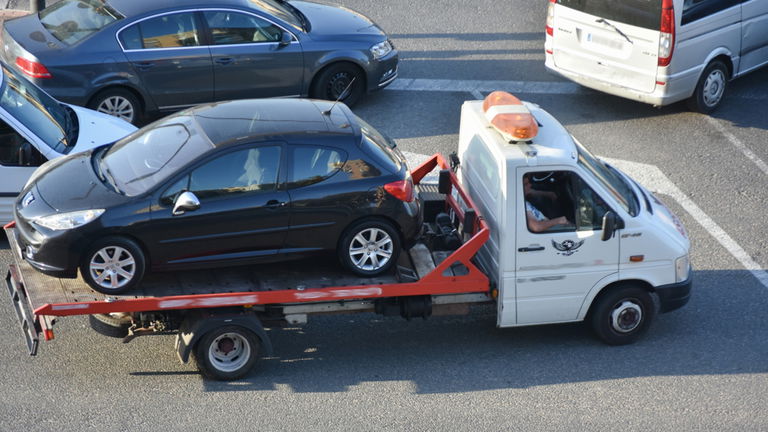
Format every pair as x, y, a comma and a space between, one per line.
571, 237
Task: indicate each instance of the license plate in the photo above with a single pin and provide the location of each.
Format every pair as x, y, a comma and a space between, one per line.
604, 41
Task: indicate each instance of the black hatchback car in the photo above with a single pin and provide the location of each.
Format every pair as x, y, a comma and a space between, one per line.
130, 57
223, 184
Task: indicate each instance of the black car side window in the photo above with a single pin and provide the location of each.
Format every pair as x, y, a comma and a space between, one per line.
243, 171
17, 151
236, 28
170, 194
310, 165
170, 31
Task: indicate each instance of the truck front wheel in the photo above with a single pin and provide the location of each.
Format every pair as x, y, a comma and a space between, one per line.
227, 353
622, 315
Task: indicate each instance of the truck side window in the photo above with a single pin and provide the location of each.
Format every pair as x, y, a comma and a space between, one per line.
17, 151
590, 208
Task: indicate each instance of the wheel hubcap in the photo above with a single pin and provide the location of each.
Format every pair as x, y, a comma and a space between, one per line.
112, 267
371, 249
338, 83
229, 352
714, 87
626, 316
117, 106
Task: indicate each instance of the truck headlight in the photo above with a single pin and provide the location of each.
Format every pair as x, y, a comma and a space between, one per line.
65, 221
381, 49
682, 268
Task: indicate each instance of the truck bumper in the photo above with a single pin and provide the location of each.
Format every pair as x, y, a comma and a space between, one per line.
674, 296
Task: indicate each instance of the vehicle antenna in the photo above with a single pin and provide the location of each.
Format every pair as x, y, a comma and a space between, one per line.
343, 94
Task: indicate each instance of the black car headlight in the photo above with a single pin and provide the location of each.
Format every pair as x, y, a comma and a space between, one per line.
381, 49
69, 220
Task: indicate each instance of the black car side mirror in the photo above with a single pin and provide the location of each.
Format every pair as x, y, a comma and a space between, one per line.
610, 224
285, 39
186, 201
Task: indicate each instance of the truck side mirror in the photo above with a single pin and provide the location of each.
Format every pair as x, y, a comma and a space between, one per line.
469, 221
610, 224
444, 182
186, 201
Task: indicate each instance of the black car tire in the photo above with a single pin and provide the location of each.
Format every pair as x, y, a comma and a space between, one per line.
117, 102
710, 89
333, 80
364, 242
111, 326
621, 315
226, 353
130, 260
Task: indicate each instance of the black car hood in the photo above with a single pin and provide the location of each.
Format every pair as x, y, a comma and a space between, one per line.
332, 22
72, 185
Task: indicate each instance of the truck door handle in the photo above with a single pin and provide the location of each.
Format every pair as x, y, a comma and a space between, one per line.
274, 204
144, 65
531, 249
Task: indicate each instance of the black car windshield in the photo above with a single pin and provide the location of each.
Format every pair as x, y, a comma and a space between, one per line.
140, 161
72, 20
43, 115
610, 179
281, 11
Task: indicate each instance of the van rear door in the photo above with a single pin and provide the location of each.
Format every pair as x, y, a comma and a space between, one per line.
614, 42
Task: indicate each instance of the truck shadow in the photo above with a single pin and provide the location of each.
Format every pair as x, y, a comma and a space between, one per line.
713, 335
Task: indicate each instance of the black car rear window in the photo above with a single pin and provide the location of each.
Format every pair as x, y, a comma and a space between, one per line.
641, 13
70, 21
379, 146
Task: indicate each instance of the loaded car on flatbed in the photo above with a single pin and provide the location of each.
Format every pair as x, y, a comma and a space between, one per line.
524, 217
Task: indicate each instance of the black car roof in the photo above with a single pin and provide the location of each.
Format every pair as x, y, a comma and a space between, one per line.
131, 8
234, 121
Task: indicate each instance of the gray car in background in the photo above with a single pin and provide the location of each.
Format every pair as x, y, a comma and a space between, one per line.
131, 58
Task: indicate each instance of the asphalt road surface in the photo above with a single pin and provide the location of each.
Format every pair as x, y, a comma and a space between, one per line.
703, 367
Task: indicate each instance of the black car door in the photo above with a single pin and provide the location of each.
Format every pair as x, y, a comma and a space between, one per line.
243, 214
168, 55
249, 58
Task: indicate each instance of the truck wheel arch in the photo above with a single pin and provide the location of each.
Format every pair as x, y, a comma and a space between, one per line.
199, 323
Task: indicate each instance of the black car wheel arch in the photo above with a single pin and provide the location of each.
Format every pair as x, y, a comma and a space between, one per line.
113, 265
371, 230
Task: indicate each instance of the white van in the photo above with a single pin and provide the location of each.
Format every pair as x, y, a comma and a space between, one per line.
657, 51
616, 247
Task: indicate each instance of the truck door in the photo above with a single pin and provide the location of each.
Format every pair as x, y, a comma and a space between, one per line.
559, 253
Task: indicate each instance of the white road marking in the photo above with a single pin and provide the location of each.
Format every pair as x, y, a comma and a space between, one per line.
738, 144
654, 179
477, 95
444, 85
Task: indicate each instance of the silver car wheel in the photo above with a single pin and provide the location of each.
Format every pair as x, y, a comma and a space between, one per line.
112, 267
370, 249
713, 88
229, 352
626, 316
117, 106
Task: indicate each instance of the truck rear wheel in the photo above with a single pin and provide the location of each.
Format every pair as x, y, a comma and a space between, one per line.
110, 325
227, 353
622, 315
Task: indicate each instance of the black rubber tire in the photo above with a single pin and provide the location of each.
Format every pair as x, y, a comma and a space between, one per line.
334, 79
129, 97
241, 367
718, 71
128, 245
627, 298
111, 326
349, 235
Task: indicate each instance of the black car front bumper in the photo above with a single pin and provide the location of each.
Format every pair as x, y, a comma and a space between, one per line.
675, 296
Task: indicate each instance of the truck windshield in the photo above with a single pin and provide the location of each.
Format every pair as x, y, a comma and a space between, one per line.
140, 161
641, 13
610, 179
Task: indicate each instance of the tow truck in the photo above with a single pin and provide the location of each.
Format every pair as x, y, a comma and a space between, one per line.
477, 248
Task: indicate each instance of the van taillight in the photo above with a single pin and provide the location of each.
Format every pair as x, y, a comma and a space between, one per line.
402, 190
32, 68
551, 17
667, 36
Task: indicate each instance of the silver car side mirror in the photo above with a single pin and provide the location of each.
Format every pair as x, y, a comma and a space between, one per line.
186, 201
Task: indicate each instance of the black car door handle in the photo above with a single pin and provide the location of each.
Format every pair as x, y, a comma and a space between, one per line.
224, 60
144, 65
274, 204
531, 249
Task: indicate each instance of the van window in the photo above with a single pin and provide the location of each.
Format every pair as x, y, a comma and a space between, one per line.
697, 9
618, 187
641, 13
483, 163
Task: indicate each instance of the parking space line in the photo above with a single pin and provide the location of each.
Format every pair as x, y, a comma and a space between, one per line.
444, 85
477, 95
654, 179
738, 144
